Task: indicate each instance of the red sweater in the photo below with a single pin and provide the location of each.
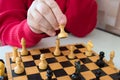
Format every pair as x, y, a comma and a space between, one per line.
81, 20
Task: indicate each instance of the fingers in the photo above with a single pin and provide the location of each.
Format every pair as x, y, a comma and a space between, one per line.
61, 18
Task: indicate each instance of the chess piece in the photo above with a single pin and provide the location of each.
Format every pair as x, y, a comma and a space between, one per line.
2, 68
14, 54
57, 50
76, 75
24, 49
19, 69
100, 62
49, 75
43, 63
110, 62
89, 48
62, 33
71, 55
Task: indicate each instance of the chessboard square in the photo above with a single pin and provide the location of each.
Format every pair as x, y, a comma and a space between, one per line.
37, 62
61, 58
31, 70
49, 55
91, 66
66, 64
35, 57
34, 77
86, 60
64, 78
76, 51
65, 53
79, 46
70, 70
115, 76
45, 50
29, 64
51, 60
106, 78
35, 52
102, 73
84, 68
63, 48
16, 75
20, 78
44, 75
81, 55
94, 58
60, 72
88, 75
55, 66
27, 58
74, 60
108, 70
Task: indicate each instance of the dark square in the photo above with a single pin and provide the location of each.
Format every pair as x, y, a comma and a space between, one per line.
79, 46
34, 77
84, 68
11, 61
35, 57
115, 76
85, 60
102, 73
16, 75
66, 64
63, 48
44, 50
51, 60
77, 51
59, 72
101, 66
29, 64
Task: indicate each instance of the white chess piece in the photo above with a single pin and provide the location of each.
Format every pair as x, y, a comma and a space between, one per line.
57, 51
43, 63
14, 54
71, 55
110, 62
24, 49
89, 47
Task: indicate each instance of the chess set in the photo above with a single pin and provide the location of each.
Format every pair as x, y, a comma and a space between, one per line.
68, 62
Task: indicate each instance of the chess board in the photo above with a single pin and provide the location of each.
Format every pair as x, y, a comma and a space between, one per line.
61, 66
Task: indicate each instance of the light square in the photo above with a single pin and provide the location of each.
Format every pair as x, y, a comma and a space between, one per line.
31, 70
55, 66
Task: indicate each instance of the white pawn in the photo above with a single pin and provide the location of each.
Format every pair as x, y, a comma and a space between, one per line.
89, 47
110, 62
14, 54
24, 49
18, 69
2, 69
57, 50
71, 55
43, 63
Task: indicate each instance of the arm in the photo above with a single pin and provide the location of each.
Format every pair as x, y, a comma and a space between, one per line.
81, 16
13, 24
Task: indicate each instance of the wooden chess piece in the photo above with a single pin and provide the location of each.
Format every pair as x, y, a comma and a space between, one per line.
19, 69
14, 54
24, 49
71, 55
110, 62
2, 69
49, 75
43, 64
62, 33
57, 51
89, 47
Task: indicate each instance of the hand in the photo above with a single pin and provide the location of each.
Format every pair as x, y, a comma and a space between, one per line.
44, 16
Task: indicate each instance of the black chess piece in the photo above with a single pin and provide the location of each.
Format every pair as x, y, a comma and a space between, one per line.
49, 75
100, 62
98, 74
76, 75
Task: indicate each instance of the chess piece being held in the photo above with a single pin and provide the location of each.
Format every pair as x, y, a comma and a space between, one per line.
24, 49
57, 51
89, 47
43, 63
15, 54
62, 33
71, 55
19, 69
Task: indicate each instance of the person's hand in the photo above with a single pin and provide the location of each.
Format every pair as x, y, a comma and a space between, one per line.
44, 16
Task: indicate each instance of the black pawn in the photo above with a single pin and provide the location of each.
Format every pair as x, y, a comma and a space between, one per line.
100, 62
49, 75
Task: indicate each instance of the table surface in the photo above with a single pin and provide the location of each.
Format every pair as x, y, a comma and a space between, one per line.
102, 41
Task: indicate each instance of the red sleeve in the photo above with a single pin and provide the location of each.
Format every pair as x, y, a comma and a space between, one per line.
13, 23
81, 15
